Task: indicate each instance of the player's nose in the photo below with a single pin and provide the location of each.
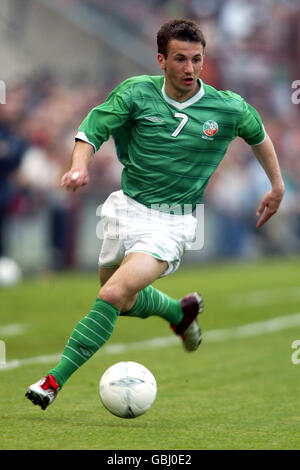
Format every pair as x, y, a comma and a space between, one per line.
189, 69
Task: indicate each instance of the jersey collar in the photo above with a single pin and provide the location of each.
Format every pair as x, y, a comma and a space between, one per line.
183, 104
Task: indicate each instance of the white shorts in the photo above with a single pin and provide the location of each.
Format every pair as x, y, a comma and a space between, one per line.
130, 227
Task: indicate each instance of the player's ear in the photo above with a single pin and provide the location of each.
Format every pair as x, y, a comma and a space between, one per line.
161, 61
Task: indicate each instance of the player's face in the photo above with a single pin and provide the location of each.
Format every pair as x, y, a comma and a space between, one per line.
182, 68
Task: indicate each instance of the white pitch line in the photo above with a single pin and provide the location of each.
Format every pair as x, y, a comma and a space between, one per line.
16, 363
13, 329
255, 329
251, 329
263, 297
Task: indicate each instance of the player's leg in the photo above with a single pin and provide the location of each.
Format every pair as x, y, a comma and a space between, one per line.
136, 272
181, 314
144, 228
95, 329
105, 274
148, 301
92, 332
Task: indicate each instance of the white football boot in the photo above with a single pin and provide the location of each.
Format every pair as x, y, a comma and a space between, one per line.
43, 392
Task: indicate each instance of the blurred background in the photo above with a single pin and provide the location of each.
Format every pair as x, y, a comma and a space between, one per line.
60, 58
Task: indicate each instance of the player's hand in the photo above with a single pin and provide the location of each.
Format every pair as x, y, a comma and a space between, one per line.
269, 206
75, 178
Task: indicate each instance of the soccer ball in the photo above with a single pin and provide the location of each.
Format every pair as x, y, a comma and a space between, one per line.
10, 272
127, 389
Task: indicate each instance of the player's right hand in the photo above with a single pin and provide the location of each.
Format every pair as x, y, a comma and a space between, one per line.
75, 178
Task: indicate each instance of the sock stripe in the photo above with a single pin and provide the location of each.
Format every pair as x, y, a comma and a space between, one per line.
152, 291
89, 318
103, 316
159, 300
94, 332
151, 301
86, 337
72, 349
73, 362
166, 307
76, 340
144, 303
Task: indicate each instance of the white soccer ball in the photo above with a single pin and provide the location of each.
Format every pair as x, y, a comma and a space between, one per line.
127, 389
10, 272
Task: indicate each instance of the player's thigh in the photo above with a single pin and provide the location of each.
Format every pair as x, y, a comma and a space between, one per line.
136, 272
140, 269
105, 274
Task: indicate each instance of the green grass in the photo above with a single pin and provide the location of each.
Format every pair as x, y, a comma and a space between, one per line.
237, 394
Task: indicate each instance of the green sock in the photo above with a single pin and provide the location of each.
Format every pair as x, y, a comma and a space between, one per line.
151, 301
87, 337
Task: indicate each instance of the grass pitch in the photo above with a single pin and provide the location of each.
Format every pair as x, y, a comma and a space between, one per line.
240, 390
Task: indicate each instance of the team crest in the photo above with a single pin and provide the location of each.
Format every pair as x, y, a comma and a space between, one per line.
210, 128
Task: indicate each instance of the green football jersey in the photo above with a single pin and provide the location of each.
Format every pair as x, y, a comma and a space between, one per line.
169, 149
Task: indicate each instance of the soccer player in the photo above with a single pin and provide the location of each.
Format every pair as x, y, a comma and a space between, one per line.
171, 132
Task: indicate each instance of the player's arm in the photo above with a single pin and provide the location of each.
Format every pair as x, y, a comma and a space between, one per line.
266, 155
251, 129
95, 129
78, 175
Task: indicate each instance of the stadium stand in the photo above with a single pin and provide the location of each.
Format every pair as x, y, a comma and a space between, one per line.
253, 49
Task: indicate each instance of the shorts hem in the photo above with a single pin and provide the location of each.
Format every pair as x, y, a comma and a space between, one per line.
108, 265
155, 255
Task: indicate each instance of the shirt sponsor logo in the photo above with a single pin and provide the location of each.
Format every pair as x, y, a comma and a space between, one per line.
154, 119
210, 128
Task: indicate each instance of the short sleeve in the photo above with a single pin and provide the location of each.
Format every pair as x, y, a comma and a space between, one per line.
104, 119
250, 127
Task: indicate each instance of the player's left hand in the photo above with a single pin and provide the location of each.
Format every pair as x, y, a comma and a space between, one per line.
269, 206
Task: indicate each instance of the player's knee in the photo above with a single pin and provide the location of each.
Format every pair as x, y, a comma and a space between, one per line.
111, 294
116, 295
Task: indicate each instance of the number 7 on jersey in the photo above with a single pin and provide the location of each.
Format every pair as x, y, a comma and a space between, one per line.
184, 119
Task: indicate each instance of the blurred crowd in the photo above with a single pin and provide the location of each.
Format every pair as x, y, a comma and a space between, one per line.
253, 49
37, 128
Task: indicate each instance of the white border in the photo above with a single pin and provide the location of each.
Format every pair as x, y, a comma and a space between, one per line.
81, 136
255, 145
200, 93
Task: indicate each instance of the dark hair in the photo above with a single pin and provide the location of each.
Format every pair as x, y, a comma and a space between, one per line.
183, 30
